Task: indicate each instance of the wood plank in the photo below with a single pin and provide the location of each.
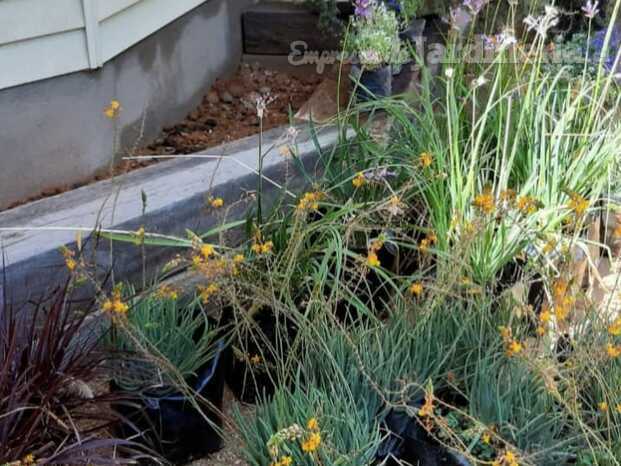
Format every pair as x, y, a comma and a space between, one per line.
271, 28
32, 234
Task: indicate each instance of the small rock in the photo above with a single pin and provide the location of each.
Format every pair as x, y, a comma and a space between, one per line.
213, 98
236, 89
227, 97
282, 79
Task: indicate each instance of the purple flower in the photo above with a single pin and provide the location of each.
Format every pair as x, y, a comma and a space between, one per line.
364, 8
475, 6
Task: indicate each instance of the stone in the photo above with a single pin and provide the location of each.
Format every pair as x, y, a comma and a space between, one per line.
213, 98
236, 89
227, 97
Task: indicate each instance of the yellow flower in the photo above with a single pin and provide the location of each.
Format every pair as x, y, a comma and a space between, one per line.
167, 292
613, 351
425, 159
29, 459
561, 311
312, 424
310, 201
505, 332
618, 408
423, 246
208, 292
372, 259
615, 328
120, 307
115, 304
545, 316
603, 407
486, 438
508, 196
527, 204
359, 180
286, 461
69, 255
255, 360
71, 264
261, 248
267, 247
560, 288
510, 459
549, 246
239, 258
113, 110
617, 232
217, 202
207, 250
514, 348
578, 204
484, 202
312, 442
416, 289
427, 408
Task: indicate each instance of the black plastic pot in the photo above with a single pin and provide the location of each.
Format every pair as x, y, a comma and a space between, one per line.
251, 383
414, 32
374, 293
170, 425
372, 84
407, 442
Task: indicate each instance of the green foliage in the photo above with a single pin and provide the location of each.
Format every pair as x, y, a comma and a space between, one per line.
328, 22
165, 342
349, 436
375, 40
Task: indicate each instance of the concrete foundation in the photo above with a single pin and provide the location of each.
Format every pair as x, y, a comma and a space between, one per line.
53, 133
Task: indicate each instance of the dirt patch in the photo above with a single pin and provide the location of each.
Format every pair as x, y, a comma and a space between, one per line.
228, 112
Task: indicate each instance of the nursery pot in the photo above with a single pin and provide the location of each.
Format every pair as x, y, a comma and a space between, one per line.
252, 382
372, 84
407, 442
413, 32
170, 424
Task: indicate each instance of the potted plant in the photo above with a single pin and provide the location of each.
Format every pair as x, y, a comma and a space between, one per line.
375, 44
412, 27
169, 359
51, 411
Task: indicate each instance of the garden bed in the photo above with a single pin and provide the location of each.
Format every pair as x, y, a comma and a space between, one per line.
430, 281
227, 113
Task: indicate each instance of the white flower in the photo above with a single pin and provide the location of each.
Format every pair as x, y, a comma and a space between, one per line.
479, 82
506, 39
449, 73
591, 9
542, 24
370, 57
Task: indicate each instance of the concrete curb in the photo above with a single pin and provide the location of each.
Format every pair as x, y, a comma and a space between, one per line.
176, 192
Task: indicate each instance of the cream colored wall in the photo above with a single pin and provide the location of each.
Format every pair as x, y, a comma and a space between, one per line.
41, 39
